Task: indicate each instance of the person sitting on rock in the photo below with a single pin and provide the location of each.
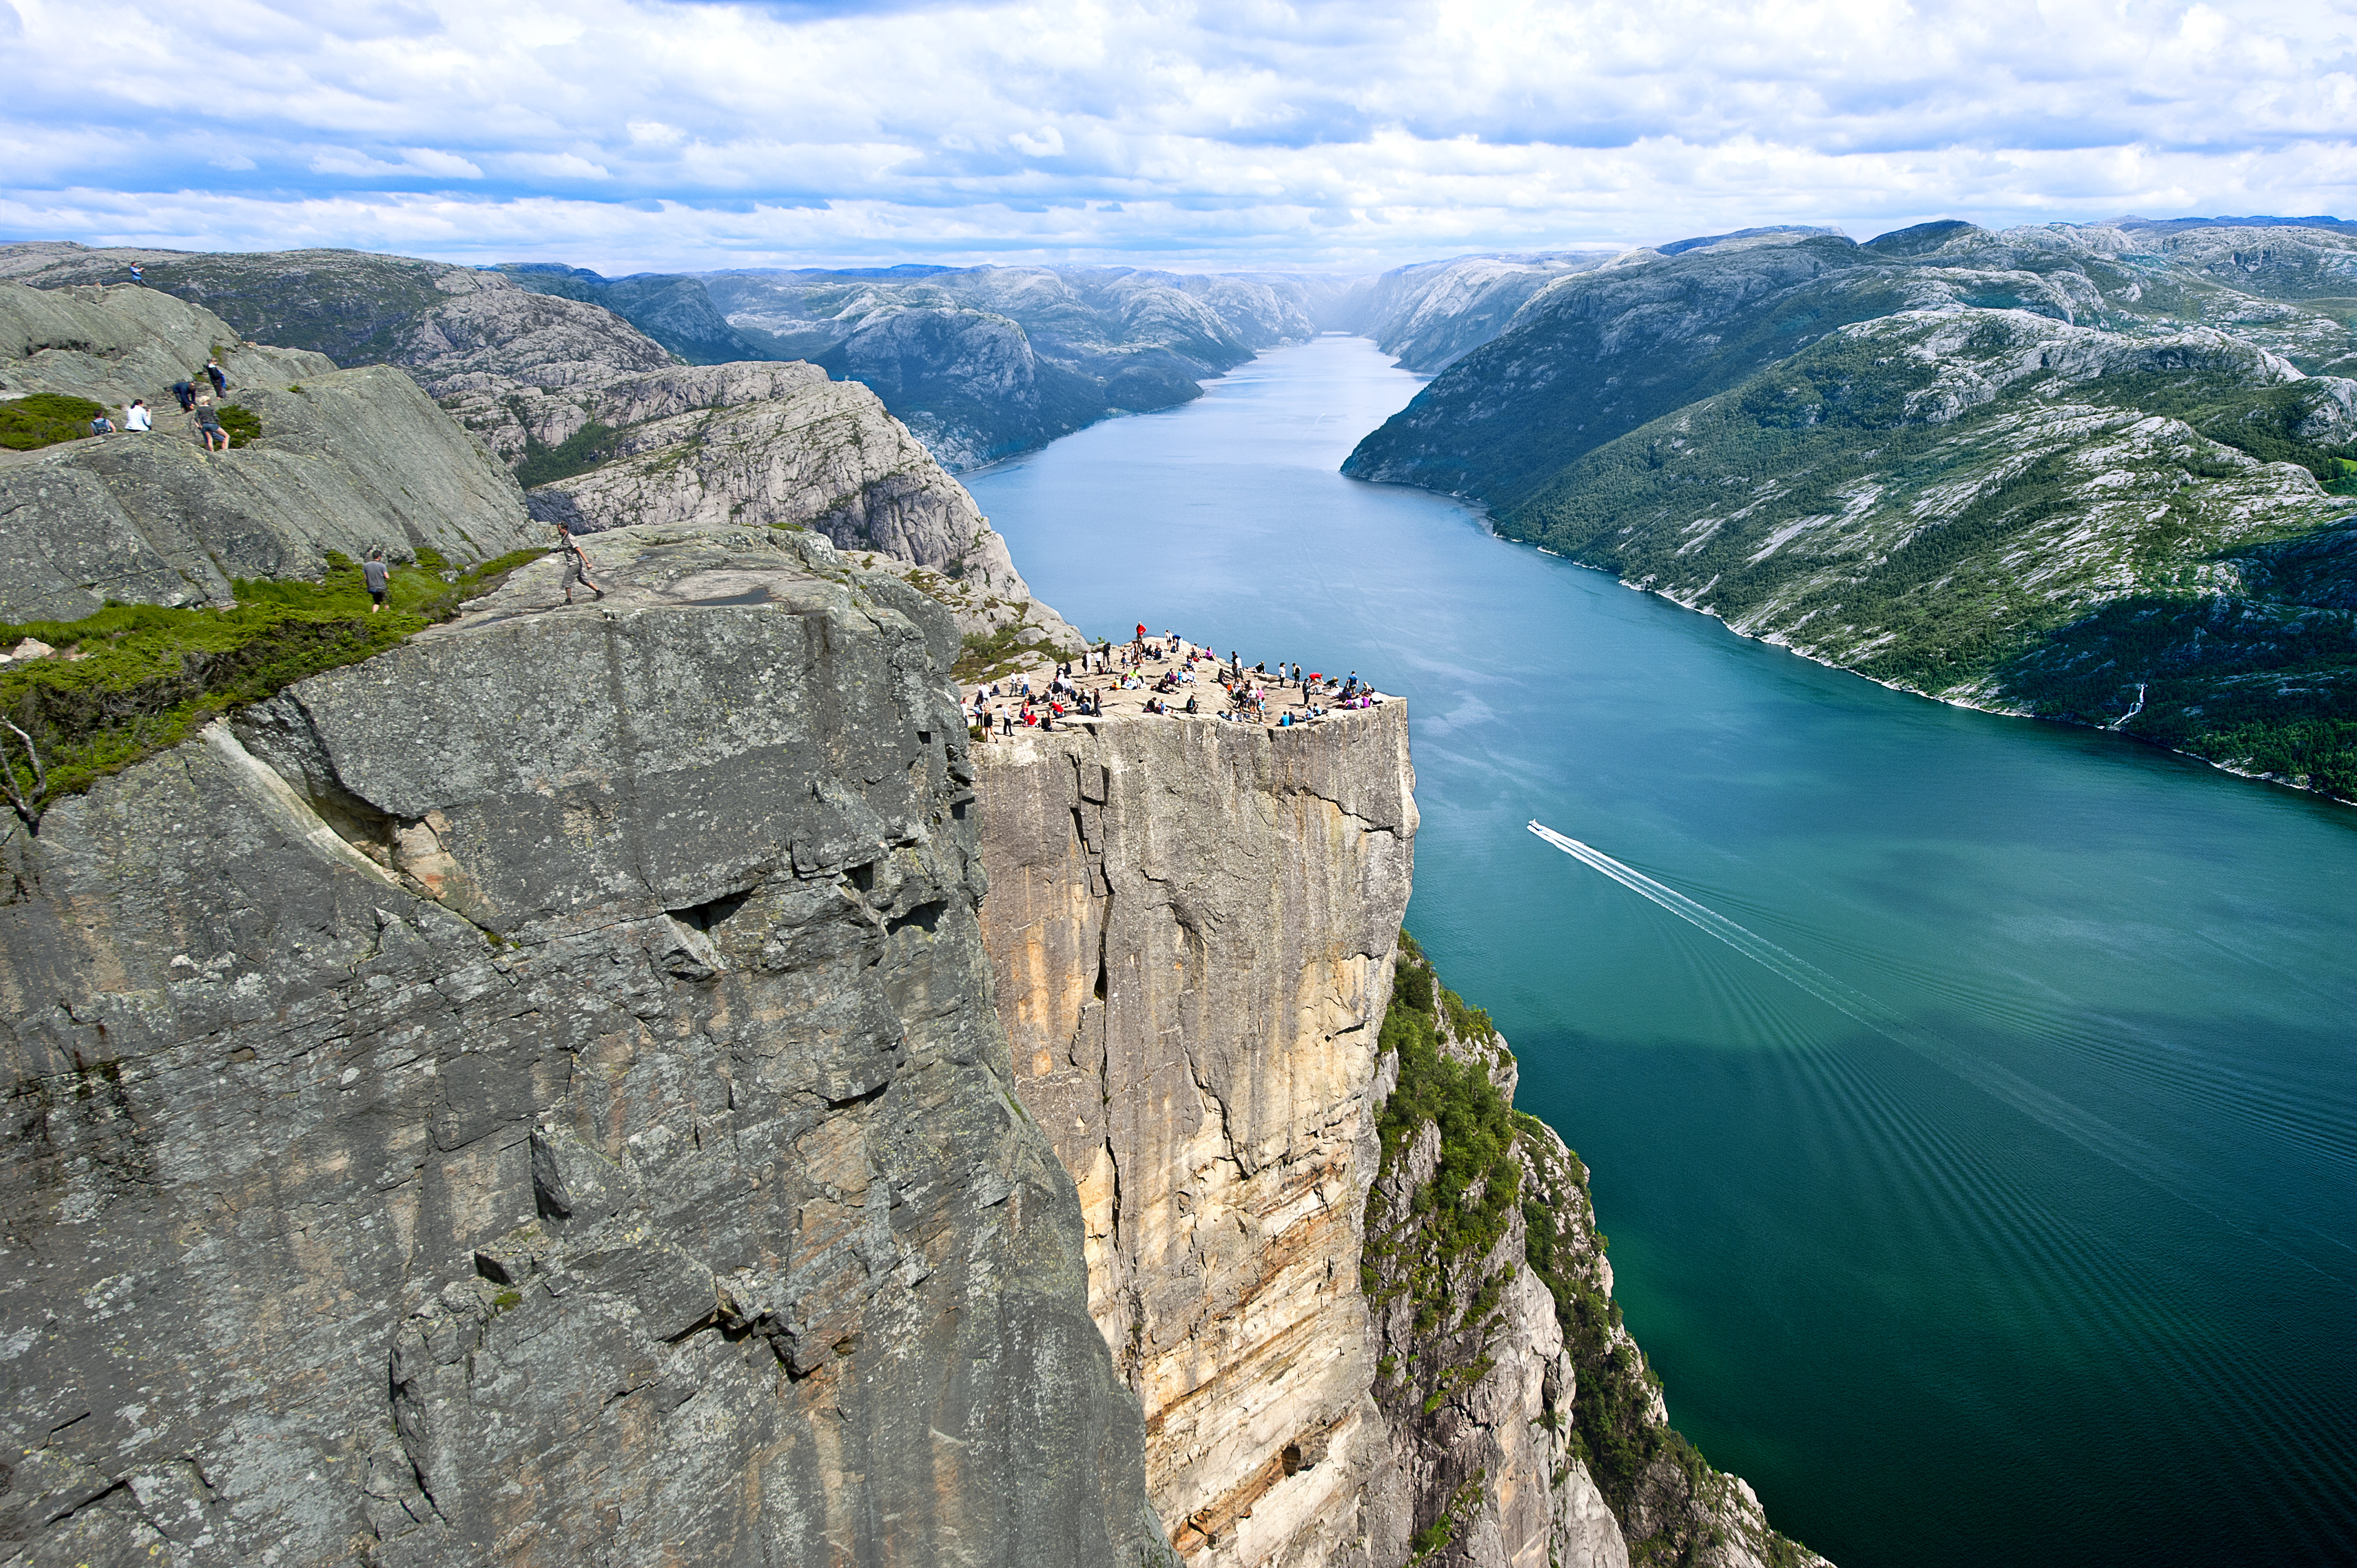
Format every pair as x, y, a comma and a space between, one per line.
135, 418
102, 425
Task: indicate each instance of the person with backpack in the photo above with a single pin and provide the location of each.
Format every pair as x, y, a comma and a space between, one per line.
219, 377
102, 425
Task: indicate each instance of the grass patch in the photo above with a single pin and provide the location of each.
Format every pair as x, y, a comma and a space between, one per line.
148, 676
45, 419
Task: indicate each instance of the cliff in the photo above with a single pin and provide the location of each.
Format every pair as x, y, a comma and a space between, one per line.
1364, 1302
2091, 474
1190, 927
1528, 1428
345, 461
468, 1114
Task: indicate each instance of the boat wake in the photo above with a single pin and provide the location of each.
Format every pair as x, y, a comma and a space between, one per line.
2090, 1132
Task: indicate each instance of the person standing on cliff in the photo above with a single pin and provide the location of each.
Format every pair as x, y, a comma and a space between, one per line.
374, 573
577, 565
219, 377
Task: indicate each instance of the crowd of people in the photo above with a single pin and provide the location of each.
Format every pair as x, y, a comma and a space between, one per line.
1178, 678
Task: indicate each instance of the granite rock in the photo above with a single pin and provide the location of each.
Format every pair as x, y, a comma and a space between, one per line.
348, 461
1191, 927
464, 1113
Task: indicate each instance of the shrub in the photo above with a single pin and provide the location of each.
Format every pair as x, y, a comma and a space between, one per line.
242, 426
44, 419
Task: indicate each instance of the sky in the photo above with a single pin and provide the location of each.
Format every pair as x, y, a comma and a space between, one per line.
645, 134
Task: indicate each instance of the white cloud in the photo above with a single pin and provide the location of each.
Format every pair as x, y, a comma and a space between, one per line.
1322, 132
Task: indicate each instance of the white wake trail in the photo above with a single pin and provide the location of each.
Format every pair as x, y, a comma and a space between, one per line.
2092, 1133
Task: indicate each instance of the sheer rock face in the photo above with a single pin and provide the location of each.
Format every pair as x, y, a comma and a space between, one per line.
1191, 927
354, 461
465, 1114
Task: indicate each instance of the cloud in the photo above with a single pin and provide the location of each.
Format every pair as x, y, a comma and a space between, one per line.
643, 134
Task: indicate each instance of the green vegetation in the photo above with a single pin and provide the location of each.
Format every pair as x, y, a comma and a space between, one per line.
1493, 1160
987, 656
44, 419
1463, 1209
242, 426
578, 453
1809, 502
133, 679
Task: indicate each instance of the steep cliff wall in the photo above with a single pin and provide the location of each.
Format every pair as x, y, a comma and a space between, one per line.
1527, 1426
1363, 1300
532, 1097
1191, 927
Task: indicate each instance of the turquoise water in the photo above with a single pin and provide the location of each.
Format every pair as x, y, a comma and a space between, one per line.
2041, 1245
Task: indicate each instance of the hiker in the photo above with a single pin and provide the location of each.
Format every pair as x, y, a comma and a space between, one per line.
576, 565
137, 277
186, 393
219, 377
208, 427
134, 418
373, 572
102, 425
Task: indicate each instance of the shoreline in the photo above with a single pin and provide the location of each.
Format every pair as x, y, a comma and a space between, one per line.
1774, 640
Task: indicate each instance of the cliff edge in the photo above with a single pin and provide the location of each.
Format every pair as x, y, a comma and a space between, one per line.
466, 1114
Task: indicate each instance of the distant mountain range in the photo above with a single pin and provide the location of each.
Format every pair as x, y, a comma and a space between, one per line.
2096, 473
2087, 472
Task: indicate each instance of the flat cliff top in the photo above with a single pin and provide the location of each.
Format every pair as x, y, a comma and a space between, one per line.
671, 565
1125, 680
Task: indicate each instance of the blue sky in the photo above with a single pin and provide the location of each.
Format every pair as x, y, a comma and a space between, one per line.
625, 135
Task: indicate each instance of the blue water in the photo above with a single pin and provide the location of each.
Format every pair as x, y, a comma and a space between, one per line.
2046, 1252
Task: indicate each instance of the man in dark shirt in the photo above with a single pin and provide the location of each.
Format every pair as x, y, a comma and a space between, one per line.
374, 573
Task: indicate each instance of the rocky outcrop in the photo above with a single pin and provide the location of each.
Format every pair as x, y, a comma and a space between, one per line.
465, 1114
347, 461
1191, 927
1525, 1426
1364, 1302
781, 446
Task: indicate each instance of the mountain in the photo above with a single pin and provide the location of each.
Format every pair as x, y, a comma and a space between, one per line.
2087, 474
986, 361
980, 362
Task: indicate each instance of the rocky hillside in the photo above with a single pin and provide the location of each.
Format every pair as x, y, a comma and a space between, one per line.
980, 362
341, 461
2086, 474
1435, 313
558, 388
986, 362
500, 1123
1528, 1426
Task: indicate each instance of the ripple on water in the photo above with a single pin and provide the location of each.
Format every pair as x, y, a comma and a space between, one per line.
1930, 1327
